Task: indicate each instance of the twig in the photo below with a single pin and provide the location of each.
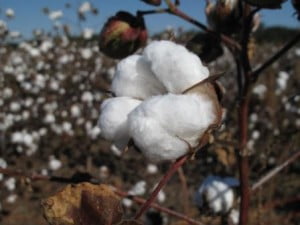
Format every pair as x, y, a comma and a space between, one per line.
159, 208
173, 9
283, 50
275, 171
37, 177
177, 12
174, 167
185, 191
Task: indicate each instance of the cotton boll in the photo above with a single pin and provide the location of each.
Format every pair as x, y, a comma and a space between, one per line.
11, 198
216, 193
127, 202
54, 164
10, 183
152, 169
176, 67
134, 78
113, 119
87, 33
55, 15
234, 216
138, 189
164, 126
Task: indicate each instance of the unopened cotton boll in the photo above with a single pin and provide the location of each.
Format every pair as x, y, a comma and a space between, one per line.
175, 66
164, 126
216, 193
113, 119
134, 78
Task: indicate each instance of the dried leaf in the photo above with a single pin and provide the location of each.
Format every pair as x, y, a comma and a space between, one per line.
226, 156
83, 204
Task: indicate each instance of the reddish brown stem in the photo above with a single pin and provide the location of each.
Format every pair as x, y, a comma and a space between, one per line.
159, 208
243, 161
174, 167
173, 9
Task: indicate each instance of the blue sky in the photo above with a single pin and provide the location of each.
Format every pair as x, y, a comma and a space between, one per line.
28, 14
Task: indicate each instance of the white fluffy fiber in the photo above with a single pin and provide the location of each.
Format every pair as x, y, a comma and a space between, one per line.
134, 78
167, 122
217, 193
161, 126
175, 66
113, 119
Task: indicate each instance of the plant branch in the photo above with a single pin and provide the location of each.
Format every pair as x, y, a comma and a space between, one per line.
173, 9
158, 207
185, 190
243, 160
174, 167
275, 171
255, 74
231, 43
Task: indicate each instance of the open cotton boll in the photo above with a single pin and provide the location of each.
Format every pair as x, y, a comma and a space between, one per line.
175, 66
113, 119
163, 125
217, 193
134, 78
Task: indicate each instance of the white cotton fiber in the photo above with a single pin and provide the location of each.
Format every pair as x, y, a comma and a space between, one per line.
217, 193
134, 78
113, 119
175, 66
162, 125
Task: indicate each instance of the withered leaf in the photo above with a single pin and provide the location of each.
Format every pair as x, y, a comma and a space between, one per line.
83, 204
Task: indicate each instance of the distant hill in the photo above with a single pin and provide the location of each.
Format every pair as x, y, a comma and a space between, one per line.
275, 34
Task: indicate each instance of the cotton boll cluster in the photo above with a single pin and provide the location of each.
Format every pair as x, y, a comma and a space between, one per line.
167, 123
217, 193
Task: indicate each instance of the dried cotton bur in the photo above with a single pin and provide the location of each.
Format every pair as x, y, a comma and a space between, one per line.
85, 204
175, 102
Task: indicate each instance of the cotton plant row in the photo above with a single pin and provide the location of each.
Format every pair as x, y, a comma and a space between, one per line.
164, 102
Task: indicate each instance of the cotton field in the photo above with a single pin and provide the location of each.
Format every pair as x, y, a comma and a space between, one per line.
52, 89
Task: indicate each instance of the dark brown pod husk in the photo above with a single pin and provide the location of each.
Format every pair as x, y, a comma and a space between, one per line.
122, 35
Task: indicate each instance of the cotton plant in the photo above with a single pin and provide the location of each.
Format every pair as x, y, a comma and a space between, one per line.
164, 102
217, 193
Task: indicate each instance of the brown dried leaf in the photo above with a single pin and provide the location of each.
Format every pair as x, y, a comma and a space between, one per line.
226, 156
83, 204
